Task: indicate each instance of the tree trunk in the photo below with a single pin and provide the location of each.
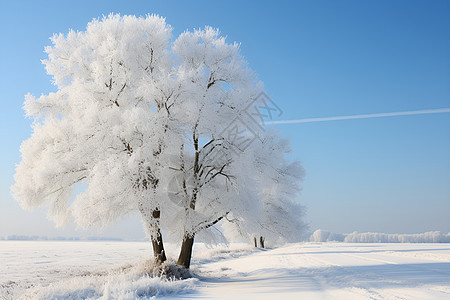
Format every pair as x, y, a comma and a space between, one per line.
158, 248
256, 243
157, 241
184, 259
261, 241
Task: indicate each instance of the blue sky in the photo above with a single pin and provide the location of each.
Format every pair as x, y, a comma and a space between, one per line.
317, 59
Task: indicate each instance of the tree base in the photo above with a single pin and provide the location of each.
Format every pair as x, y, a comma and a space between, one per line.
167, 270
174, 271
184, 259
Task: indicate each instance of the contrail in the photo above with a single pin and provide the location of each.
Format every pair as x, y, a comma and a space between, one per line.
364, 116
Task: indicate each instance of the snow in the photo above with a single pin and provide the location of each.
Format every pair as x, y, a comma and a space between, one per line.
114, 270
80, 270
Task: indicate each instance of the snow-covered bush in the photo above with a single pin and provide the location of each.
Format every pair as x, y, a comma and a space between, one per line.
326, 236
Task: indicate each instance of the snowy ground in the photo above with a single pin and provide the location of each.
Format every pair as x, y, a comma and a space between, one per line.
112, 270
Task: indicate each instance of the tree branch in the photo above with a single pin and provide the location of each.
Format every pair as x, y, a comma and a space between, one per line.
208, 223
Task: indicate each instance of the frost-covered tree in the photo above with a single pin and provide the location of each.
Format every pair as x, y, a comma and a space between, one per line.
277, 217
218, 85
282, 217
216, 175
105, 126
155, 127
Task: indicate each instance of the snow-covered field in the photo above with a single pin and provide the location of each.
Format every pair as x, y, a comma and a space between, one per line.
113, 270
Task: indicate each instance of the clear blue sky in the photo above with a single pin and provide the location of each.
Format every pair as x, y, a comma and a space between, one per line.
317, 59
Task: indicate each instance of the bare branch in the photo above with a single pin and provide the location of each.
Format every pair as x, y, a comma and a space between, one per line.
208, 223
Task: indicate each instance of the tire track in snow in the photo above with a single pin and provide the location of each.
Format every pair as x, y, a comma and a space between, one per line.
417, 265
327, 286
414, 267
335, 279
350, 281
